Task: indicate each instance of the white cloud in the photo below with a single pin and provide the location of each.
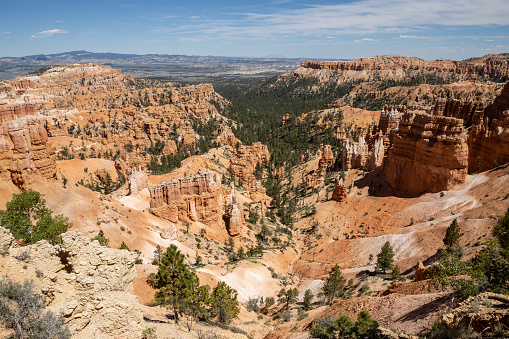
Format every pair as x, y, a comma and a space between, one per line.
194, 17
365, 39
59, 21
409, 37
48, 33
6, 32
357, 17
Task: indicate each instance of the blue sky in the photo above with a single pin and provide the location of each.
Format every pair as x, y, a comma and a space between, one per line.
431, 29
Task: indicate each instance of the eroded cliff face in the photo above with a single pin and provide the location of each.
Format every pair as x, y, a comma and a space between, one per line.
429, 154
363, 153
396, 67
243, 165
489, 136
31, 152
193, 198
87, 284
137, 180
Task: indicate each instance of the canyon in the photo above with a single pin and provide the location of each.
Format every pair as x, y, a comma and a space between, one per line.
153, 164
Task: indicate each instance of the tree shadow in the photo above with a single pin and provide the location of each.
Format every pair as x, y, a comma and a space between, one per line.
424, 310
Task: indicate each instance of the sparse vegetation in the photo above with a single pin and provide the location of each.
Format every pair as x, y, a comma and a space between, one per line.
23, 311
28, 218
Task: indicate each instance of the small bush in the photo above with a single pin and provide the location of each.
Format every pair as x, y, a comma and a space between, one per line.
22, 310
252, 305
149, 333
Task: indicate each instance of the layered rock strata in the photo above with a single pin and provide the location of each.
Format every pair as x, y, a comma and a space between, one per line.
429, 153
243, 165
389, 119
466, 110
193, 198
489, 136
398, 67
32, 153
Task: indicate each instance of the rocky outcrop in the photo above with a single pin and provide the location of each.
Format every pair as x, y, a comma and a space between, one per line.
482, 313
244, 163
421, 273
32, 154
340, 193
327, 157
89, 285
389, 119
10, 112
489, 136
6, 238
398, 67
137, 179
429, 153
223, 135
355, 153
193, 198
376, 154
465, 110
236, 219
286, 119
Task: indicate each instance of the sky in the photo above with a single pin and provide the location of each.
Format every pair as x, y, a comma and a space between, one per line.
312, 29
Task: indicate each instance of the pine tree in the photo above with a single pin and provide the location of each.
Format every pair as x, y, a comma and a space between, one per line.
385, 259
335, 284
452, 235
308, 297
174, 281
223, 303
123, 246
287, 296
396, 273
196, 305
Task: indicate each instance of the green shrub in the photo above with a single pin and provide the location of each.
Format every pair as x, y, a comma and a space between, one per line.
22, 310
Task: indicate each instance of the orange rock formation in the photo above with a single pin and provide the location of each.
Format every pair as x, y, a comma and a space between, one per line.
429, 153
193, 198
340, 193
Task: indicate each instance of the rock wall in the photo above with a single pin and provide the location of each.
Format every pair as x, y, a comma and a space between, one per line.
32, 153
489, 136
137, 179
193, 198
466, 110
89, 285
490, 66
244, 164
10, 112
429, 153
355, 153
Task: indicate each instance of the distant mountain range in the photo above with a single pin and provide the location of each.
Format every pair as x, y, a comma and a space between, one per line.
152, 65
